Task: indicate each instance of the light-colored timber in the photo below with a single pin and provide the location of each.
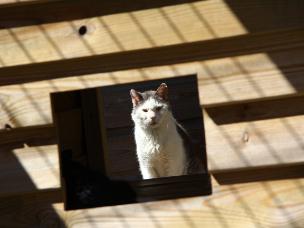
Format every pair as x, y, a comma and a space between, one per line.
249, 58
197, 21
229, 147
259, 204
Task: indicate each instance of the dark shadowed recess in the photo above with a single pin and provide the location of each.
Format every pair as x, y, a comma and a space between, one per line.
47, 11
183, 97
97, 151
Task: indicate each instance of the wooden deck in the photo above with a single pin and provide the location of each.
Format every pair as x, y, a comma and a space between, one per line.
249, 57
260, 204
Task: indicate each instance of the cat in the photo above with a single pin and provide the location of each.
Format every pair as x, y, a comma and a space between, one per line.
160, 148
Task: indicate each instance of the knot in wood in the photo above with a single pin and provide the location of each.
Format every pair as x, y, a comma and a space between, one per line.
82, 30
245, 137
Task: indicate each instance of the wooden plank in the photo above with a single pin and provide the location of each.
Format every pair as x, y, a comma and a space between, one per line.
261, 204
31, 135
230, 147
256, 110
221, 81
39, 12
52, 11
172, 54
203, 20
259, 173
271, 11
109, 34
15, 1
256, 143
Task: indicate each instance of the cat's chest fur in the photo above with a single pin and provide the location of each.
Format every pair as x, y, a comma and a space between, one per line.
152, 145
161, 150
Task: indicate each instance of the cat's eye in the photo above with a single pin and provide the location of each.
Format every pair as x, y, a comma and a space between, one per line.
159, 108
145, 110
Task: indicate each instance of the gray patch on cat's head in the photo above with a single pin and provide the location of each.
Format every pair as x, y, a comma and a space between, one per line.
161, 94
144, 96
151, 107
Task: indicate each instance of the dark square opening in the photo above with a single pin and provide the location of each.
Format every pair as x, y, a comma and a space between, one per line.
97, 151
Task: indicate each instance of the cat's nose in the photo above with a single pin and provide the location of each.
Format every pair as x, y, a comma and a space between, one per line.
153, 120
152, 115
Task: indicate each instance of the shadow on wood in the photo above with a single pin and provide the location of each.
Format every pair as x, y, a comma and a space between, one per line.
47, 11
256, 110
158, 56
245, 175
13, 200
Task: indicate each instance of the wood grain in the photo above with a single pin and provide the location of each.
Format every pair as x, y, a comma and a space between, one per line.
250, 133
28, 169
199, 21
113, 33
44, 134
256, 143
221, 81
230, 147
47, 11
256, 110
171, 54
262, 204
247, 174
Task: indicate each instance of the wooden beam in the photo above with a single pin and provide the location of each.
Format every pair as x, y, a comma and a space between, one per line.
120, 32
237, 79
236, 147
266, 173
256, 110
31, 135
275, 14
194, 21
173, 54
263, 204
39, 12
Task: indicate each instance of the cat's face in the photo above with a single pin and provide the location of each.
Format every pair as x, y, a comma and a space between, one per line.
150, 108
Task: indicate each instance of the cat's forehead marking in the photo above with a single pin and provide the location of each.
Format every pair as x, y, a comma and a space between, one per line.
148, 94
151, 103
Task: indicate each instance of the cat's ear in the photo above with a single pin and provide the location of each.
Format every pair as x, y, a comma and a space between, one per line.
136, 97
162, 91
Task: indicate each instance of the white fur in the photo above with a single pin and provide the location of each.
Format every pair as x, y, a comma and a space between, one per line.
159, 147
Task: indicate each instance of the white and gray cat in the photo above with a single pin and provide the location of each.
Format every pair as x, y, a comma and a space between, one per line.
160, 149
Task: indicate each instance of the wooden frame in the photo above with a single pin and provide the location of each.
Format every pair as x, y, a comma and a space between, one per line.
94, 128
